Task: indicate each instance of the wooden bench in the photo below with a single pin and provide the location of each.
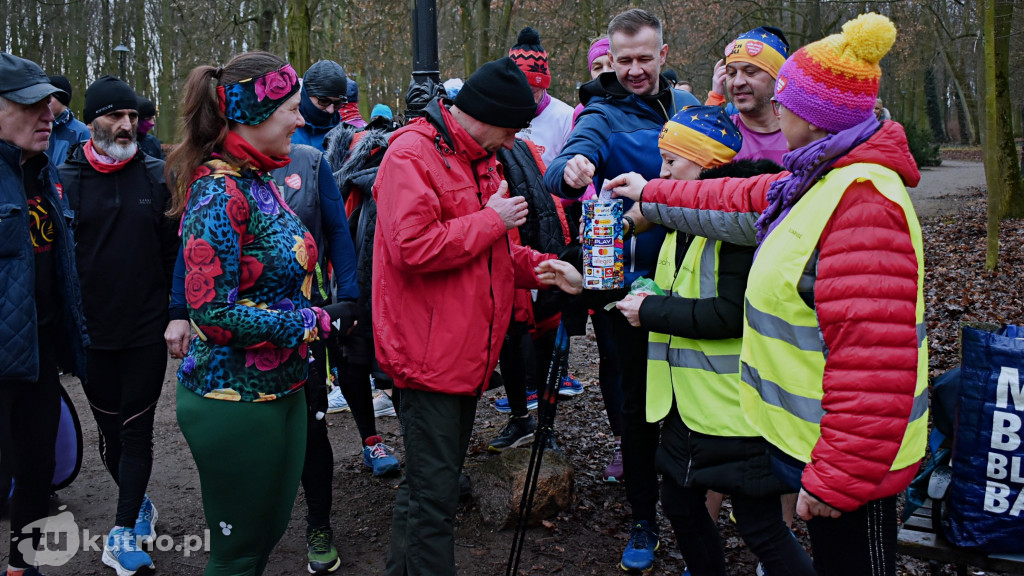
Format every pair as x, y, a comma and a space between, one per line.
917, 538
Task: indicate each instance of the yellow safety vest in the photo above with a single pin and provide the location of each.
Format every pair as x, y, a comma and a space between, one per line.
782, 361
702, 374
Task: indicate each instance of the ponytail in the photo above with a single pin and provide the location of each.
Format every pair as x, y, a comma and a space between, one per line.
203, 127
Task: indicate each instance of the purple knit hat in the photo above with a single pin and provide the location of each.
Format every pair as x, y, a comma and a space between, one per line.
833, 83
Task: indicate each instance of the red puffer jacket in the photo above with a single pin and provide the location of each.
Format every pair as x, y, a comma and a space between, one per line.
864, 295
444, 270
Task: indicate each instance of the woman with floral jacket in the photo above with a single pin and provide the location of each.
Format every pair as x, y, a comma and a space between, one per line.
249, 271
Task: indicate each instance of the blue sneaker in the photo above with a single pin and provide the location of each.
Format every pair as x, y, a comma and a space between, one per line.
570, 386
378, 457
122, 553
501, 404
639, 553
145, 524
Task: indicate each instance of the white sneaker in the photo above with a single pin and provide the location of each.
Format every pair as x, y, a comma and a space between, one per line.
336, 401
383, 405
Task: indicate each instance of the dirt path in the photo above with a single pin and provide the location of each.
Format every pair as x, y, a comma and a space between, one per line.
942, 187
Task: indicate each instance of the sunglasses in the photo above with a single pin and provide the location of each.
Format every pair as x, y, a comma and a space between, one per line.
326, 103
777, 107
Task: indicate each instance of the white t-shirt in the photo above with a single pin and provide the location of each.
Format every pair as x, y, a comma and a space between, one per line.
550, 130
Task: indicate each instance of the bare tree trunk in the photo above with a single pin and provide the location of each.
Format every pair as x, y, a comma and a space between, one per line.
502, 33
267, 25
992, 171
167, 118
298, 35
483, 30
967, 99
469, 55
1012, 187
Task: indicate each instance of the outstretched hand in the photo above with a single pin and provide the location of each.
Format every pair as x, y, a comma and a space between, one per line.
628, 185
561, 275
512, 210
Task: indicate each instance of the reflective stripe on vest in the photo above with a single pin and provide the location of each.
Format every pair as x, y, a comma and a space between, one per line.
702, 375
783, 357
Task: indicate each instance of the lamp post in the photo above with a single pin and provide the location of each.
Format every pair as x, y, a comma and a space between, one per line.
122, 52
424, 42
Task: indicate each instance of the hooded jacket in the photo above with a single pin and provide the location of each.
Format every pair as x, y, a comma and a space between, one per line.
618, 132
67, 131
444, 269
865, 274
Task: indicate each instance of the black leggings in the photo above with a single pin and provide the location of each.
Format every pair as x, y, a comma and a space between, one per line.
123, 387
524, 364
758, 520
29, 416
609, 375
639, 437
318, 467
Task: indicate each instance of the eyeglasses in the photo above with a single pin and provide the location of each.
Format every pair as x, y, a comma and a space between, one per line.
325, 103
777, 106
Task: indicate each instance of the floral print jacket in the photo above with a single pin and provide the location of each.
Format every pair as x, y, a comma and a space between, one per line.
249, 265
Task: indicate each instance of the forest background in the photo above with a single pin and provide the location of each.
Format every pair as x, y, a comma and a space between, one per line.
932, 79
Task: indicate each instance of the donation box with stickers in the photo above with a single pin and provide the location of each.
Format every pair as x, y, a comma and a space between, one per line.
602, 244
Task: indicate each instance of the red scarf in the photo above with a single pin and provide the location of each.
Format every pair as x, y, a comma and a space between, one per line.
99, 165
240, 148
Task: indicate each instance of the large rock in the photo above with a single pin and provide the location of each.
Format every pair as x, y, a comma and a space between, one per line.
498, 487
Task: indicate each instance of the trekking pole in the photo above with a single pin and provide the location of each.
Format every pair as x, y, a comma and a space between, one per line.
545, 429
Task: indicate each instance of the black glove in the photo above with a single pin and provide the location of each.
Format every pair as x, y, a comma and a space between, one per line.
343, 317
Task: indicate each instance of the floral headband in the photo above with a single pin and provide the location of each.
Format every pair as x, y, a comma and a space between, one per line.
253, 100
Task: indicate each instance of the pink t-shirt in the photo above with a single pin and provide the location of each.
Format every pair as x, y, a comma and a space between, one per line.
760, 145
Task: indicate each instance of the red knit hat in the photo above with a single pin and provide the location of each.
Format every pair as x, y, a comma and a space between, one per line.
531, 58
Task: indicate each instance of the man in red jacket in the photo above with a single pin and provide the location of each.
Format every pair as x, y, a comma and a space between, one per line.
444, 272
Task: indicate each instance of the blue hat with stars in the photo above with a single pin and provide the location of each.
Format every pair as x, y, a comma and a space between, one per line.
765, 47
702, 134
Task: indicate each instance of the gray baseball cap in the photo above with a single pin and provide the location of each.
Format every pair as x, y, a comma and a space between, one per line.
23, 81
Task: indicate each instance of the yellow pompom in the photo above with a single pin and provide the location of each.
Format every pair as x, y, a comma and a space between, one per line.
869, 36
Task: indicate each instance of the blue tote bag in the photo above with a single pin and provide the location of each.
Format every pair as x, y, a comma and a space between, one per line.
985, 510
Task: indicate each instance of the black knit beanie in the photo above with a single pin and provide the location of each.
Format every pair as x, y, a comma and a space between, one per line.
498, 94
107, 94
146, 108
65, 85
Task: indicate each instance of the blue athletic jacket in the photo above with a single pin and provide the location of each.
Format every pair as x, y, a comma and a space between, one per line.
618, 132
19, 342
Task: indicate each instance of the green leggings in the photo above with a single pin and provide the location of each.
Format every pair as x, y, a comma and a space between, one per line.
249, 456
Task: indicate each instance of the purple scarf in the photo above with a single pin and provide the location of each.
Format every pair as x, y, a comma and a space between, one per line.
807, 165
544, 101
